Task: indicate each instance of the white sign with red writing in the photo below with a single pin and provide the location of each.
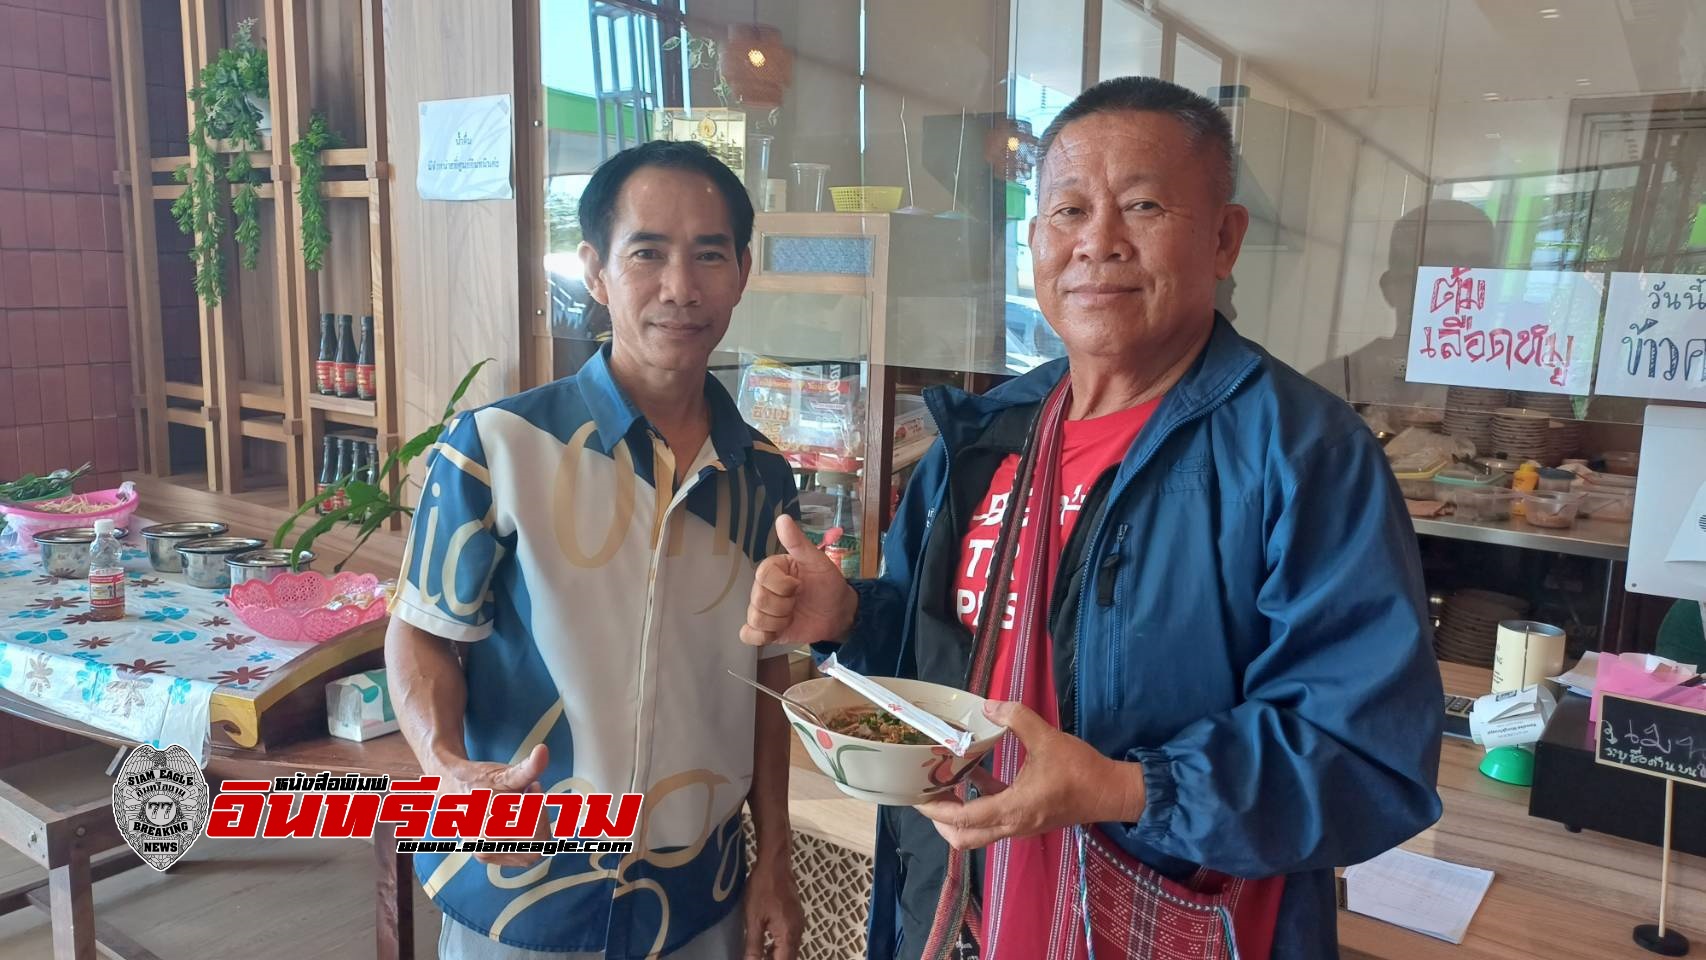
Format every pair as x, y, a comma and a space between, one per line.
1512, 329
1655, 337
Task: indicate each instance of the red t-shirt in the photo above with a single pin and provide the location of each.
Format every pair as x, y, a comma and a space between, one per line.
1036, 864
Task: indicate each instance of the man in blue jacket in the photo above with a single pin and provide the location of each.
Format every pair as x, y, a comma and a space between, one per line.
1209, 635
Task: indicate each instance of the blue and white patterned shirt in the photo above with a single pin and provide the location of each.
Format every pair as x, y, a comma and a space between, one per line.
604, 607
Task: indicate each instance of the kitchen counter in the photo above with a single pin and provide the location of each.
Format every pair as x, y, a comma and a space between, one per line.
1555, 895
1599, 539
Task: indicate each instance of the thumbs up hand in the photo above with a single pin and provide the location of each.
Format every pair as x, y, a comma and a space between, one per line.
798, 597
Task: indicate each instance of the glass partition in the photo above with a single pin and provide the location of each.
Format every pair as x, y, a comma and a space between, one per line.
889, 146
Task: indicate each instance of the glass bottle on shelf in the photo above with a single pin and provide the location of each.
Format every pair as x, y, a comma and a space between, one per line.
328, 473
346, 356
364, 370
106, 574
326, 366
844, 549
346, 465
373, 462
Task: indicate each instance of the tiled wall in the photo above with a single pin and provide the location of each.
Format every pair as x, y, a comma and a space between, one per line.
65, 377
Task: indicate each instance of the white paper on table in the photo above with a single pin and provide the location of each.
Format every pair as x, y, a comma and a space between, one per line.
1429, 896
1690, 543
1581, 677
1511, 718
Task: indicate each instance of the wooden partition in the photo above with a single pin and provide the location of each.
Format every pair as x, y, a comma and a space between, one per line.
242, 391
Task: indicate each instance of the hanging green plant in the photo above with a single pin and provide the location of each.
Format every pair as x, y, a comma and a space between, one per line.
222, 111
310, 172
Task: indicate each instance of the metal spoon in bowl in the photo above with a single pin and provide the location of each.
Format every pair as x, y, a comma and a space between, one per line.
797, 705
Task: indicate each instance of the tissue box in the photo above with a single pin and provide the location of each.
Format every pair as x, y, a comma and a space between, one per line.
359, 707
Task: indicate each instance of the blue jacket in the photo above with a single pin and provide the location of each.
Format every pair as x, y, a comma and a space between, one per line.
1246, 619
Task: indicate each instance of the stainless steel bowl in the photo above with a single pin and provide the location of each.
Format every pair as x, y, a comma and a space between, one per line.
204, 559
65, 551
264, 564
163, 540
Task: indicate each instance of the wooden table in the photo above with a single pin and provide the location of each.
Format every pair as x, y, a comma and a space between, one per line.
71, 840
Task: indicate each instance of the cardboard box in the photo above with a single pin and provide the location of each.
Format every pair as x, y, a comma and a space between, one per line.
359, 707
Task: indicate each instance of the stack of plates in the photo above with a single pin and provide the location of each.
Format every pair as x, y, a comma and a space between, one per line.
1469, 625
1558, 405
1469, 414
1522, 434
1564, 439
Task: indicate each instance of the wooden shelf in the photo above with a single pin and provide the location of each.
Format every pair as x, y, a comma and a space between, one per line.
257, 330
262, 396
344, 157
346, 189
265, 428
179, 390
358, 413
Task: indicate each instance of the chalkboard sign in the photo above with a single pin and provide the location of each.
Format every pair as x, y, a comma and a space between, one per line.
1659, 739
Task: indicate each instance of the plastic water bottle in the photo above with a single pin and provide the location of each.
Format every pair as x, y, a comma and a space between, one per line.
106, 574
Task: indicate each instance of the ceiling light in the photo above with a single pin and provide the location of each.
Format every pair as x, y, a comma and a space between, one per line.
1583, 82
1494, 136
1550, 13
1490, 96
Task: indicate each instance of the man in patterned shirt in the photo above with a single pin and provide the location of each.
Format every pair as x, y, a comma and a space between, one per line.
593, 542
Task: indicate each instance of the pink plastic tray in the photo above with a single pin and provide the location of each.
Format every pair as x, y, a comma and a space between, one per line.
294, 606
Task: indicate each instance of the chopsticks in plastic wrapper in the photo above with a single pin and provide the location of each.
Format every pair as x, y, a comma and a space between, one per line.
923, 721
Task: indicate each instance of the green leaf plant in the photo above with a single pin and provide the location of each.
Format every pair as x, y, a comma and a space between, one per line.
316, 236
222, 112
369, 505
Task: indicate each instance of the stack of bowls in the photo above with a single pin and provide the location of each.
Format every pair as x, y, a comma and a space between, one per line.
1469, 414
163, 540
1564, 438
1522, 434
1469, 626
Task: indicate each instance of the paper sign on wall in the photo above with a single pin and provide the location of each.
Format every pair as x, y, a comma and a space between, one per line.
1655, 337
1512, 329
465, 149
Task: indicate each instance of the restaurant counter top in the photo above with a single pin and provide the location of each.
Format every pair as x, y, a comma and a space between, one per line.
1599, 539
1555, 895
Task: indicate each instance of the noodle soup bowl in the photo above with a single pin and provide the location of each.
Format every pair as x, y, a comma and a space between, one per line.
895, 774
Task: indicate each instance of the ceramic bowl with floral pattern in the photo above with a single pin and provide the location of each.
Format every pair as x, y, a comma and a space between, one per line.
895, 774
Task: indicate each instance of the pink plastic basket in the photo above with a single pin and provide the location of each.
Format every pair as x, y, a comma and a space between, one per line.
298, 606
24, 521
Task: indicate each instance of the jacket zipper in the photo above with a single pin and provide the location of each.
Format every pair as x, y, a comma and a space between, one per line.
1102, 525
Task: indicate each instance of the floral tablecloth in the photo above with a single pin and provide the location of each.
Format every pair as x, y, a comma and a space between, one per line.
149, 677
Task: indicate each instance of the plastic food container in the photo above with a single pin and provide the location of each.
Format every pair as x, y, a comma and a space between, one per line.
1552, 509
1622, 462
1491, 505
1555, 480
1416, 479
1453, 483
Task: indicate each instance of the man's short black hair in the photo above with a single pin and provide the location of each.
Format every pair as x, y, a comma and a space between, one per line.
598, 202
1206, 122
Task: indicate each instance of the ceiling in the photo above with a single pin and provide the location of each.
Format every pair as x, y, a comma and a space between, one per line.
1502, 72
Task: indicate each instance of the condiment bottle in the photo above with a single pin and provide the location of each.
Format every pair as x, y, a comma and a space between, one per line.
1526, 478
106, 574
